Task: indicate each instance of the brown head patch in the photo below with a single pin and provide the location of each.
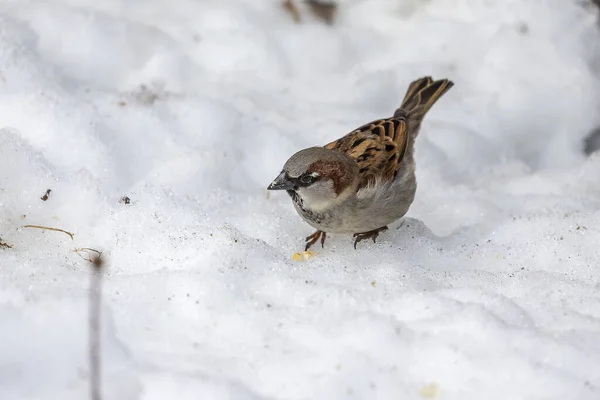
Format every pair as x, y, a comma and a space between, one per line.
337, 171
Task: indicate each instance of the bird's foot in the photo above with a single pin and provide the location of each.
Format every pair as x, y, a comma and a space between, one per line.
312, 239
368, 235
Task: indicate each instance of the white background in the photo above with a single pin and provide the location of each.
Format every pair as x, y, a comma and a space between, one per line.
490, 289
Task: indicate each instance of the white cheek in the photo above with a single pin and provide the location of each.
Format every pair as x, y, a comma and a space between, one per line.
318, 196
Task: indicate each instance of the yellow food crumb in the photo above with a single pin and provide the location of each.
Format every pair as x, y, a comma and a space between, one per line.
430, 391
302, 256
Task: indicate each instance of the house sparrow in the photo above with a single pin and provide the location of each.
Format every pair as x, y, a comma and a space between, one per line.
365, 180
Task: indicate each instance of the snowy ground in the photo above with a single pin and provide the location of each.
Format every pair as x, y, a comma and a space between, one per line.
490, 289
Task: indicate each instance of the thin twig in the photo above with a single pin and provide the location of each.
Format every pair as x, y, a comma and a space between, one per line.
95, 308
89, 257
50, 229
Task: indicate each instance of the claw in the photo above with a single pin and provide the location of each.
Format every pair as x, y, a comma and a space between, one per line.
366, 235
312, 239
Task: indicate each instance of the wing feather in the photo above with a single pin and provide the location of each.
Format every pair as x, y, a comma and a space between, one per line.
377, 147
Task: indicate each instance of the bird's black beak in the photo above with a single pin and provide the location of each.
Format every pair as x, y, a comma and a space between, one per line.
282, 182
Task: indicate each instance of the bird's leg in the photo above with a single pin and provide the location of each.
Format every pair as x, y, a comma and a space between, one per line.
312, 239
366, 235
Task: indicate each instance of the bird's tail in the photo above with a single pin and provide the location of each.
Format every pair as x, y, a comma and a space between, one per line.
419, 98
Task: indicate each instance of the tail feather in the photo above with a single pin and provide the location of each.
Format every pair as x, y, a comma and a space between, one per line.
420, 96
415, 87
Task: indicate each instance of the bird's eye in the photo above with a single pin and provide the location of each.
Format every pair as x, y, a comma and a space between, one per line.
307, 179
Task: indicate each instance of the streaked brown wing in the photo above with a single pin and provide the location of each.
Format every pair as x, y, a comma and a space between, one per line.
377, 147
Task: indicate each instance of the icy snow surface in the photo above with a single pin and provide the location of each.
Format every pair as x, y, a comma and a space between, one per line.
490, 289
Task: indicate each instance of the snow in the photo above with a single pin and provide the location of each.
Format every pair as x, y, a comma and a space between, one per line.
489, 289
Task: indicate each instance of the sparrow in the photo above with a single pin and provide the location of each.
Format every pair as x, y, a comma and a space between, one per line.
365, 180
